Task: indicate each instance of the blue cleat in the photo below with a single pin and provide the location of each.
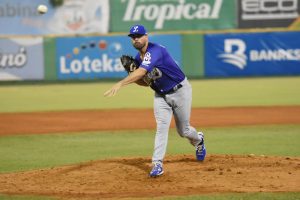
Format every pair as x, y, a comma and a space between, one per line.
157, 170
200, 149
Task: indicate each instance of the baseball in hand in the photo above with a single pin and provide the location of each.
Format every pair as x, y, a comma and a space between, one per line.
42, 9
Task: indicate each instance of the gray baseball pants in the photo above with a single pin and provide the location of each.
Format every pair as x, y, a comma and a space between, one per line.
178, 104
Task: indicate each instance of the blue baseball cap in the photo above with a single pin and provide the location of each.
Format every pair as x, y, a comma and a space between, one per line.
137, 30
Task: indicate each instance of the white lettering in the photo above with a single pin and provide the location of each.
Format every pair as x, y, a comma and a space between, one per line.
216, 9
234, 53
13, 60
137, 15
129, 10
96, 65
179, 10
107, 64
297, 53
167, 12
63, 68
87, 65
275, 55
284, 5
269, 9
86, 62
253, 55
269, 5
20, 58
230, 43
203, 11
186, 11
76, 66
151, 12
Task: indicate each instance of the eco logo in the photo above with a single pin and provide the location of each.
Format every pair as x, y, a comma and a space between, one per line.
267, 13
234, 53
269, 9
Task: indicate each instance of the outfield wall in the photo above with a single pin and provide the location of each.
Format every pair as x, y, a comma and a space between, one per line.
83, 40
200, 55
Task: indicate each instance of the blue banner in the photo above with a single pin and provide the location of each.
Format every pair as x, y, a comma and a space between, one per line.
252, 54
99, 57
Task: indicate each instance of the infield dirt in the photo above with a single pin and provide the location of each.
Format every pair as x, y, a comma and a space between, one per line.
95, 120
128, 177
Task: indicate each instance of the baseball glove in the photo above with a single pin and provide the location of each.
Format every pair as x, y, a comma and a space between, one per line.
128, 63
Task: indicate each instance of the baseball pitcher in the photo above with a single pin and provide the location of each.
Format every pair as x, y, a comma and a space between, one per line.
153, 66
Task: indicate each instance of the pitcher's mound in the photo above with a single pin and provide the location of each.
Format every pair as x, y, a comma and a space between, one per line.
128, 177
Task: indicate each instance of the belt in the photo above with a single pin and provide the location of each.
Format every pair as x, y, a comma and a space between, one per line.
174, 89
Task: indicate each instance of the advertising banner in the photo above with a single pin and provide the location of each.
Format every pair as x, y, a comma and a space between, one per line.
21, 59
164, 15
267, 13
20, 17
99, 57
252, 54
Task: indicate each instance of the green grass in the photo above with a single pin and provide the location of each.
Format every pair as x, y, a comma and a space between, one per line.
245, 196
259, 140
24, 152
247, 92
206, 93
15, 197
249, 196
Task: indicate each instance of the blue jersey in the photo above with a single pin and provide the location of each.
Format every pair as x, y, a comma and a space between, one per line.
157, 56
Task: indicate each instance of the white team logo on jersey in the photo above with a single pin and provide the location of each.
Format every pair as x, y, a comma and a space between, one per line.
147, 59
237, 57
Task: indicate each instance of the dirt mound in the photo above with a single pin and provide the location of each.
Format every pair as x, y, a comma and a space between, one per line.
128, 177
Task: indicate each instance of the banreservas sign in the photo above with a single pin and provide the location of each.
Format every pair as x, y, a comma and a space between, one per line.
252, 54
